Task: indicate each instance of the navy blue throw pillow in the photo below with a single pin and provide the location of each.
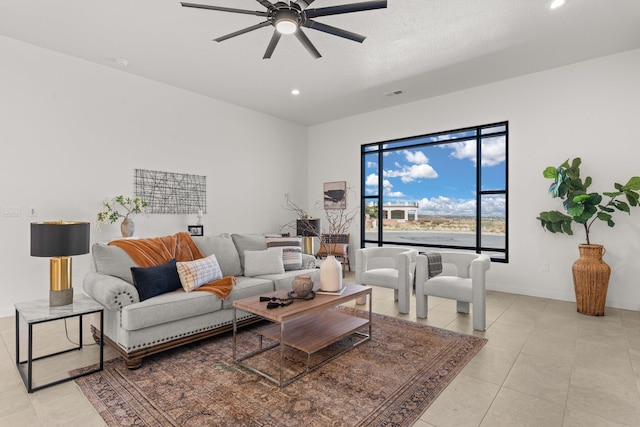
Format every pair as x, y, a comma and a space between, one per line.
153, 281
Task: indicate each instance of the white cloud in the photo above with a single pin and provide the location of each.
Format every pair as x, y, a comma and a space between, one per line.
442, 205
493, 151
494, 206
372, 183
394, 194
419, 171
463, 150
372, 165
387, 187
372, 180
416, 157
411, 173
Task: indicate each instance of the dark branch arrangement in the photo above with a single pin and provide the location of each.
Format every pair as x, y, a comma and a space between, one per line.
338, 221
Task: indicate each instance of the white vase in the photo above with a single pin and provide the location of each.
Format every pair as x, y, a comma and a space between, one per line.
330, 275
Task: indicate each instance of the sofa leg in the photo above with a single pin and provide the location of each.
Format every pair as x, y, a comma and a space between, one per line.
134, 363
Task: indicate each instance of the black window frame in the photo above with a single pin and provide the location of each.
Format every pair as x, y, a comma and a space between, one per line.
413, 142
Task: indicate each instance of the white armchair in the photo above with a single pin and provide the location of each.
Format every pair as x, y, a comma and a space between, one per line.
390, 268
462, 279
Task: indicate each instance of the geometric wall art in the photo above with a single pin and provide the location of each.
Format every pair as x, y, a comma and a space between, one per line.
170, 192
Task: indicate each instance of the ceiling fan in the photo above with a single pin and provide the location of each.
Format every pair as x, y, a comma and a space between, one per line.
290, 17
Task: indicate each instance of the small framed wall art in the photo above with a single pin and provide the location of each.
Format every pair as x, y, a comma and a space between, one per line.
196, 230
335, 195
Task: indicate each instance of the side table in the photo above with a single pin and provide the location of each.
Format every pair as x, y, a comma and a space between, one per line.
33, 313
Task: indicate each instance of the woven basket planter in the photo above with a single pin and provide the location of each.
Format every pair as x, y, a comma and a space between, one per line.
591, 280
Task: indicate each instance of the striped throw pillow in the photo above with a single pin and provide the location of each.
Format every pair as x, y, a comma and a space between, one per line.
194, 274
291, 251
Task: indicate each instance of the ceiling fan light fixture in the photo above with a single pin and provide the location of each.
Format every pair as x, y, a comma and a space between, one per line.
289, 16
287, 26
286, 21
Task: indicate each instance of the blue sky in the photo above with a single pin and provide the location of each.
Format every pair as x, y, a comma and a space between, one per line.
441, 178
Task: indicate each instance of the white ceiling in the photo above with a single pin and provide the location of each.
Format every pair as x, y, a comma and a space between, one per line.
422, 47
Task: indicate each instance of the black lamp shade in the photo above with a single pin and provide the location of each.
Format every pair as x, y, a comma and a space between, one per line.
308, 227
54, 239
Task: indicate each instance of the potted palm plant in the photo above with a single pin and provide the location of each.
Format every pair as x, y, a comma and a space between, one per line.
590, 272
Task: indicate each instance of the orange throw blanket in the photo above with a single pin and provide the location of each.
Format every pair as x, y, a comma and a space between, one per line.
160, 250
221, 287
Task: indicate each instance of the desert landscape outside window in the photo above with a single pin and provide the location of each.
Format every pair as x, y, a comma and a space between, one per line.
443, 190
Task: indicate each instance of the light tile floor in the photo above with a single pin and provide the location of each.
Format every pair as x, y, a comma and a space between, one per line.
544, 365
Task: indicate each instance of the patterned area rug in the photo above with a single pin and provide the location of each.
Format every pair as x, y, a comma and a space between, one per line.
387, 381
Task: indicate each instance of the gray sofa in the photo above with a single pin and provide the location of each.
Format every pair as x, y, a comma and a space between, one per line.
140, 328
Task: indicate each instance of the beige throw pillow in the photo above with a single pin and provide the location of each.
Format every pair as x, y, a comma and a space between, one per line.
194, 274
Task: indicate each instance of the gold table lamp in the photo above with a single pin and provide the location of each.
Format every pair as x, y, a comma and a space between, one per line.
59, 240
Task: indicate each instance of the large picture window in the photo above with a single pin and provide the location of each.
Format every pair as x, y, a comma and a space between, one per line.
444, 190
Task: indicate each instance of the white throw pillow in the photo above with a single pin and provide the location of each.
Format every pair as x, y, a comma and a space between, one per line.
257, 263
194, 274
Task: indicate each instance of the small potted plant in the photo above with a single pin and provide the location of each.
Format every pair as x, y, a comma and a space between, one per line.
590, 272
111, 212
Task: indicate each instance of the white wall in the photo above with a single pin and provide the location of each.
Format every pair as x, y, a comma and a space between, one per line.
72, 133
588, 110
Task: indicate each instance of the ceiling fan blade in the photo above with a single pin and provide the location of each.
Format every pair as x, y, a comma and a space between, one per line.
307, 43
244, 31
266, 4
333, 30
346, 8
272, 44
225, 9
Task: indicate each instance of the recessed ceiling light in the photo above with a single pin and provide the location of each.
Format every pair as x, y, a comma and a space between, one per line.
556, 4
295, 92
122, 62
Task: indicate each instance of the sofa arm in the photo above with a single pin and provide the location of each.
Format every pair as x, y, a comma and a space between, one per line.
110, 291
308, 262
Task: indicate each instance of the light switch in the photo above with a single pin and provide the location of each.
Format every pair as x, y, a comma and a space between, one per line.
11, 211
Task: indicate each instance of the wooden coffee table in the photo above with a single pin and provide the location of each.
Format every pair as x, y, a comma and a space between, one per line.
305, 325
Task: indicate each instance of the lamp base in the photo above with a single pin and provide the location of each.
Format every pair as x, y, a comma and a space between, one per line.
59, 298
307, 245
